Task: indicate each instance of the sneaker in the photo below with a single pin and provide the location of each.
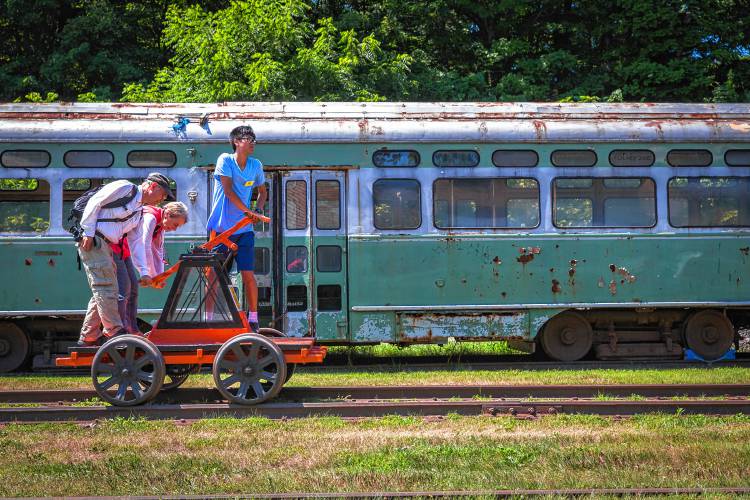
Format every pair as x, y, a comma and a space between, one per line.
254, 327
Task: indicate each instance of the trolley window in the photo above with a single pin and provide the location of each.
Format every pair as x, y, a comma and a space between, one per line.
296, 205
709, 201
24, 205
455, 158
737, 157
25, 158
396, 204
515, 158
604, 202
690, 158
327, 205
72, 189
82, 159
386, 158
262, 261
328, 258
296, 259
486, 203
296, 298
329, 297
155, 158
631, 158
573, 158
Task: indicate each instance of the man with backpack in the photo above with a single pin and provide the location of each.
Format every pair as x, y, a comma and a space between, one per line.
111, 214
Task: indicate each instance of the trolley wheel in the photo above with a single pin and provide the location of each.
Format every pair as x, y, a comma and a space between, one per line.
249, 369
14, 346
273, 332
567, 337
176, 375
709, 334
127, 370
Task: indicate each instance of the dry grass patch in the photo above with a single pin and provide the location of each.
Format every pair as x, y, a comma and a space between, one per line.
392, 453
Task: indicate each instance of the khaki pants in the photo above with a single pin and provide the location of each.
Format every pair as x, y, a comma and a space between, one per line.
102, 277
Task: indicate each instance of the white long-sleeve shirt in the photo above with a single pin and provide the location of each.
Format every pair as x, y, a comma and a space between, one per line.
114, 231
153, 246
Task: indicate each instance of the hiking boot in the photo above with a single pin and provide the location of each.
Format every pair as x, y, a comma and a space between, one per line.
90, 343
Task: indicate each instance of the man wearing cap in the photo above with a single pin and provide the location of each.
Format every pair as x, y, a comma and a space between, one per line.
103, 226
236, 176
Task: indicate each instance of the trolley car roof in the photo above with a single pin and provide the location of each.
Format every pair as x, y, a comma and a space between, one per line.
300, 122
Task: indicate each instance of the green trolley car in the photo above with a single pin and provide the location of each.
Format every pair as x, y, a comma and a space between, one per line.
606, 230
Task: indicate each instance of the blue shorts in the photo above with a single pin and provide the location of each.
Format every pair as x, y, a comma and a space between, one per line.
245, 256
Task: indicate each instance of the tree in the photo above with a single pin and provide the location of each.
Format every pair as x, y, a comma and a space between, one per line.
260, 50
73, 49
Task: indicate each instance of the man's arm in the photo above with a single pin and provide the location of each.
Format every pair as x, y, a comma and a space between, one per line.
262, 197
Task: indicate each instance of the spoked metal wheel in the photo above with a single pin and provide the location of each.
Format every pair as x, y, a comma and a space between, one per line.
14, 347
709, 334
249, 369
567, 337
127, 370
273, 332
176, 375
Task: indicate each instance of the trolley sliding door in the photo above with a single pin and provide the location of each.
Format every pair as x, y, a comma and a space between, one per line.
295, 289
328, 267
312, 285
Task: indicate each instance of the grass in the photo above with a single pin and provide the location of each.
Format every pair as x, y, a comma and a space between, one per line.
327, 376
395, 453
449, 350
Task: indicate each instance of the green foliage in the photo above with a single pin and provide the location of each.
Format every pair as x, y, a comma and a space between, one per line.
421, 50
77, 49
37, 97
258, 50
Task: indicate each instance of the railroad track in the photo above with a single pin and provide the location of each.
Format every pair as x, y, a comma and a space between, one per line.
354, 402
192, 395
359, 409
490, 363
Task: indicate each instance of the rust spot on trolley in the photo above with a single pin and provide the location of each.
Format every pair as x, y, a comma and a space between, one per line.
525, 258
745, 250
556, 286
497, 260
541, 129
27, 262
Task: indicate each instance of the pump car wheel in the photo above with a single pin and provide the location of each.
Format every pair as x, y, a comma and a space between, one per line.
249, 369
127, 370
709, 334
567, 337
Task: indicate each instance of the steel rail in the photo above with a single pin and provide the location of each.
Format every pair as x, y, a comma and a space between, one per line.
359, 409
469, 362
193, 394
566, 492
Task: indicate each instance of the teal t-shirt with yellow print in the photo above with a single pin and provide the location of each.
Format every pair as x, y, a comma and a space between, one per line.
224, 214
